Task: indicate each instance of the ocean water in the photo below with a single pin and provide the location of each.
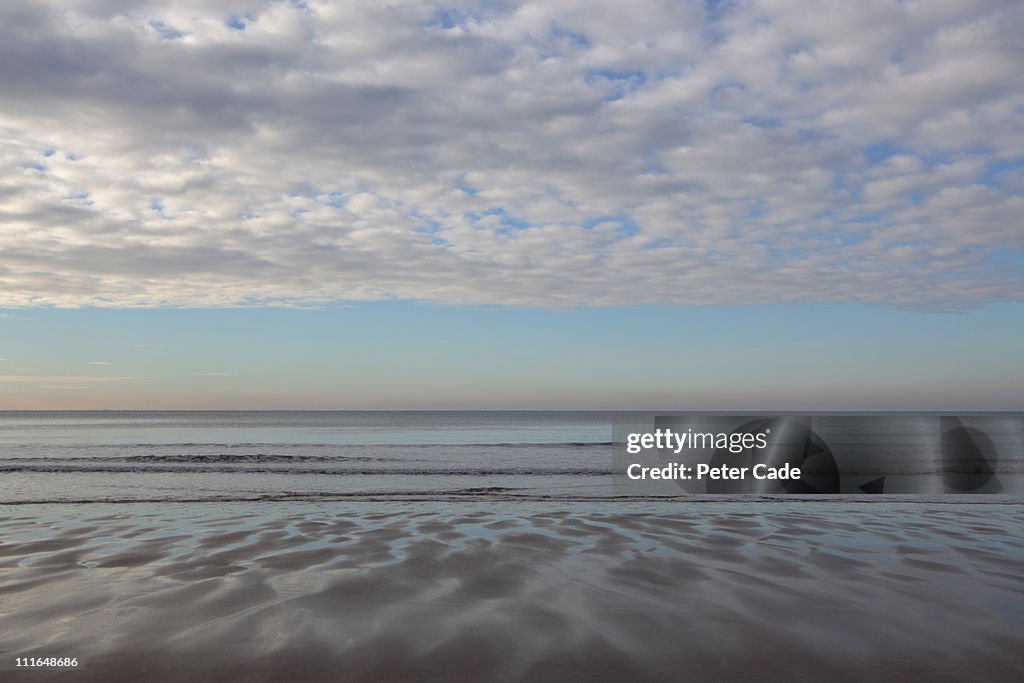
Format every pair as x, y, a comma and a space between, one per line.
130, 456
227, 456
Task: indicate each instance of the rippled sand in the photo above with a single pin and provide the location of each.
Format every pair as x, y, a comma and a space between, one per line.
365, 591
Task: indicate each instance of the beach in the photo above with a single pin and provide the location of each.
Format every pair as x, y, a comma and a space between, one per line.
511, 341
508, 592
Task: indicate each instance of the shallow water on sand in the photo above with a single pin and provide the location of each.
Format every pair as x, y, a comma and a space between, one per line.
624, 591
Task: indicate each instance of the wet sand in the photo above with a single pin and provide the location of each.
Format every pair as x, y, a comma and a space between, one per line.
811, 591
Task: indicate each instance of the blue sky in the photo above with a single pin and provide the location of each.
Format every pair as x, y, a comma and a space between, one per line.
511, 204
404, 355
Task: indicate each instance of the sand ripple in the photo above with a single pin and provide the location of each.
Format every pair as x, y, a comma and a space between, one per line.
435, 592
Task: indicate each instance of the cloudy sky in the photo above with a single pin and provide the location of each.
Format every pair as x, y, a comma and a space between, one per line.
235, 203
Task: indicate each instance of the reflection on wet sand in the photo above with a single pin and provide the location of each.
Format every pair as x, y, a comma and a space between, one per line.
394, 591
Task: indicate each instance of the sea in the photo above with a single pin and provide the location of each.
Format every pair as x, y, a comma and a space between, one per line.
181, 456
235, 456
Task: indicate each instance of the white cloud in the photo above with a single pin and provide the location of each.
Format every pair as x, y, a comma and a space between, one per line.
100, 362
551, 154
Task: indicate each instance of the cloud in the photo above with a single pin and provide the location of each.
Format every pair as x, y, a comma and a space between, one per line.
212, 374
100, 362
543, 154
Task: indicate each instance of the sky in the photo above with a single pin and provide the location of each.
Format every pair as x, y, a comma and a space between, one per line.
646, 205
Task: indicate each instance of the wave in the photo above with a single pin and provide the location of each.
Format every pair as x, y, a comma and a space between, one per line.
102, 466
279, 444
516, 495
203, 458
245, 457
249, 462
